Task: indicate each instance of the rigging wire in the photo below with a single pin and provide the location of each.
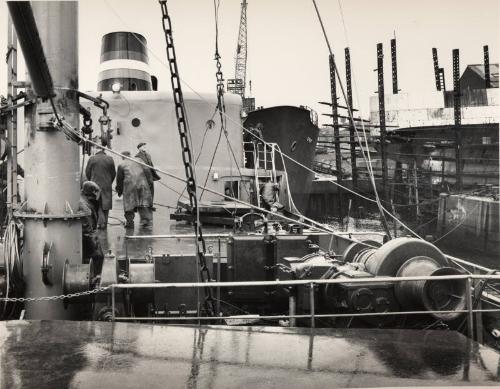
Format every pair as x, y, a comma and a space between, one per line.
314, 224
257, 137
349, 110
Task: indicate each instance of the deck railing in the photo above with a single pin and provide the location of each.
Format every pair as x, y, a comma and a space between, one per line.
471, 281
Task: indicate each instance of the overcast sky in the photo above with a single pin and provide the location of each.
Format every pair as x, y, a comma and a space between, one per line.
287, 54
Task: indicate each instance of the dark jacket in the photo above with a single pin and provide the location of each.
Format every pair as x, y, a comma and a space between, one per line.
101, 169
131, 182
146, 158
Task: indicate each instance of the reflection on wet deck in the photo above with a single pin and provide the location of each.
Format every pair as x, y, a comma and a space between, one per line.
61, 354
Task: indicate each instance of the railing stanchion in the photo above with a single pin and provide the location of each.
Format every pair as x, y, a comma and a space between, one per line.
218, 277
292, 306
112, 303
470, 314
311, 303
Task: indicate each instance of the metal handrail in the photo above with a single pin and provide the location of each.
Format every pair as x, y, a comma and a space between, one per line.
470, 311
306, 282
226, 235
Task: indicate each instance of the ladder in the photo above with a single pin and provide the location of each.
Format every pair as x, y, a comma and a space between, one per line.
264, 166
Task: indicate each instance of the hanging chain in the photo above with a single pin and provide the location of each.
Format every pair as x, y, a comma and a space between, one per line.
52, 298
221, 106
182, 126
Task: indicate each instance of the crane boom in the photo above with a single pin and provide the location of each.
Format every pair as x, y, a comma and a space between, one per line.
238, 83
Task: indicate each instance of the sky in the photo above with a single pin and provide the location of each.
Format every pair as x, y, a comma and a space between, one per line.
287, 53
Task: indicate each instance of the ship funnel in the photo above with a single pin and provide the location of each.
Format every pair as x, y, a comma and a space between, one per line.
124, 61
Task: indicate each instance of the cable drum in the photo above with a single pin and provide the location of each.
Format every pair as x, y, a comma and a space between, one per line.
389, 258
433, 295
351, 252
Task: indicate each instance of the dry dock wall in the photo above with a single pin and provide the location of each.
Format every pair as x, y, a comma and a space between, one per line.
470, 222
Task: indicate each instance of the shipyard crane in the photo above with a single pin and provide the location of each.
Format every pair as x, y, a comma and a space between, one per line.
237, 84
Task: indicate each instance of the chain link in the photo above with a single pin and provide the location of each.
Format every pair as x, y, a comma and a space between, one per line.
53, 298
182, 126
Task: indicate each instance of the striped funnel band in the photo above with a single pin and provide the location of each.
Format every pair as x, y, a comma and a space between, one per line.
124, 45
130, 79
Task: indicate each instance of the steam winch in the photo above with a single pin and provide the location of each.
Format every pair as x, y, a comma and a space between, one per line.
402, 257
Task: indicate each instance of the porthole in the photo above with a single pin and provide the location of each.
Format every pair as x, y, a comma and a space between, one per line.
136, 122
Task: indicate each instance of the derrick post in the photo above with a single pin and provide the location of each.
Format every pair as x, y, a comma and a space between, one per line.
52, 226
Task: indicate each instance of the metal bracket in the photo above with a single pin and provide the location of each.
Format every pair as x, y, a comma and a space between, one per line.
46, 266
24, 213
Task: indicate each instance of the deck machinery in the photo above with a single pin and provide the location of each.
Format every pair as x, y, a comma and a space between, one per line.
284, 257
296, 255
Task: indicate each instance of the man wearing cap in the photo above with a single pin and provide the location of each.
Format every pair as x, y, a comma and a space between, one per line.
151, 174
131, 182
101, 169
91, 247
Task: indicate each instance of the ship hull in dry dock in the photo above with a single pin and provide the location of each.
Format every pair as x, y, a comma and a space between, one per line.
433, 150
468, 223
296, 133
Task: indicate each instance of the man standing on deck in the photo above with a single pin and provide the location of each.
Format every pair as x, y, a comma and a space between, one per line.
101, 170
91, 247
131, 182
151, 174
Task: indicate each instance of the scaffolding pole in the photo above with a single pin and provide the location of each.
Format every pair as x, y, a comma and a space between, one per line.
336, 133
394, 62
458, 118
381, 110
352, 139
436, 68
487, 77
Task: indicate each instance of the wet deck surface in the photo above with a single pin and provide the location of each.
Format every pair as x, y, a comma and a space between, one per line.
63, 354
113, 238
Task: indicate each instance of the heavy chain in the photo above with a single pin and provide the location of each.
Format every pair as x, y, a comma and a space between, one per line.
52, 298
182, 126
221, 106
